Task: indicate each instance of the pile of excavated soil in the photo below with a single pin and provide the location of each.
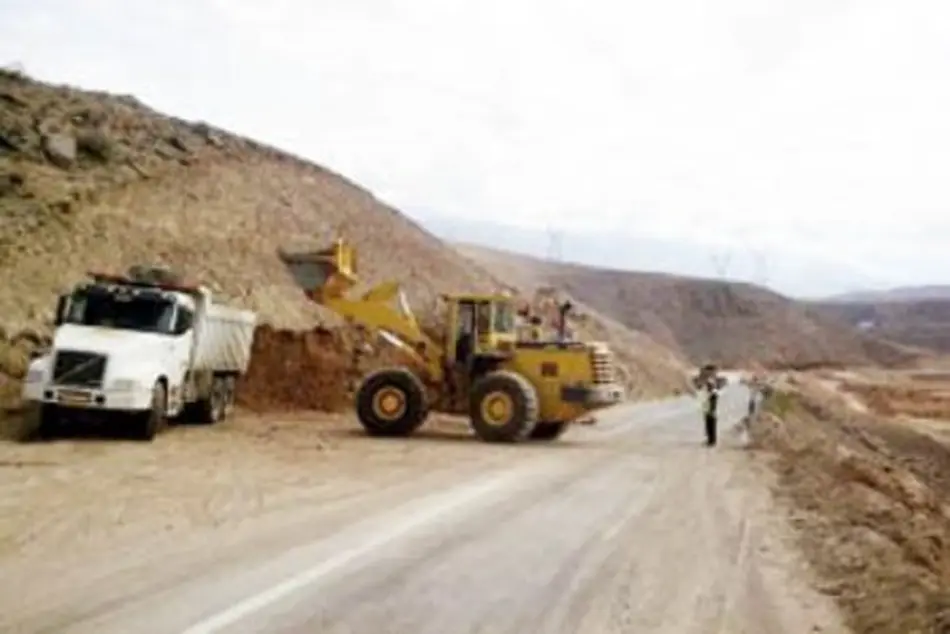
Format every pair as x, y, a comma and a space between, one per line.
870, 500
296, 370
309, 369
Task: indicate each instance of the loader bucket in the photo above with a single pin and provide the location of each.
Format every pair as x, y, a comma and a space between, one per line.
323, 274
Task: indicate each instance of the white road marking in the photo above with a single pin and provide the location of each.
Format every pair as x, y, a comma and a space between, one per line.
441, 505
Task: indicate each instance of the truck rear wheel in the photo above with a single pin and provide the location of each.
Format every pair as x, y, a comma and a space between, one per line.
230, 388
391, 402
503, 407
548, 430
214, 408
153, 421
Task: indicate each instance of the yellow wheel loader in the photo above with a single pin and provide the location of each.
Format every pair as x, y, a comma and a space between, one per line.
511, 389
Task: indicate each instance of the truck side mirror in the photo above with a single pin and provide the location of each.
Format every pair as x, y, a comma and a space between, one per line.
62, 306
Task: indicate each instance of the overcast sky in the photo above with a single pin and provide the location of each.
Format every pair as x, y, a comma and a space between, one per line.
816, 129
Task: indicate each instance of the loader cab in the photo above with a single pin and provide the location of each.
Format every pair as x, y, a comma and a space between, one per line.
479, 325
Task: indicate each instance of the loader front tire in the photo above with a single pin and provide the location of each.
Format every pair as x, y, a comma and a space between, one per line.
503, 407
391, 402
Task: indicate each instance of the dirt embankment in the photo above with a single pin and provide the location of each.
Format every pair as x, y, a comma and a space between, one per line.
870, 500
912, 397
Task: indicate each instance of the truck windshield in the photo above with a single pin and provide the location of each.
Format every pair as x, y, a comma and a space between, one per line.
126, 312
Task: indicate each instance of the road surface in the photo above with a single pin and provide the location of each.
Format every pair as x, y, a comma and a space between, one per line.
629, 526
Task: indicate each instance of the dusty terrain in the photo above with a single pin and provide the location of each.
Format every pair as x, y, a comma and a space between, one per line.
293, 523
90, 181
730, 322
289, 521
870, 496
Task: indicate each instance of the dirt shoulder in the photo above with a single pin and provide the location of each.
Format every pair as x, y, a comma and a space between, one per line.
82, 495
870, 501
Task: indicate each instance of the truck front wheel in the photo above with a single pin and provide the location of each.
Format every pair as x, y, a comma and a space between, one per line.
153, 421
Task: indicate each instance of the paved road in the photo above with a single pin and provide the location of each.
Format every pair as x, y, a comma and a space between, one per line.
630, 526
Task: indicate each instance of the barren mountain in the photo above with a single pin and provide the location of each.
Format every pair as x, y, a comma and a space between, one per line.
91, 181
915, 322
728, 322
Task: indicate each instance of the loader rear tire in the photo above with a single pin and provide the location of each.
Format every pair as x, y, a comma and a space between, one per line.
548, 431
391, 402
503, 407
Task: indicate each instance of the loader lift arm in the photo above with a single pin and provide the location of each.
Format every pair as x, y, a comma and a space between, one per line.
328, 275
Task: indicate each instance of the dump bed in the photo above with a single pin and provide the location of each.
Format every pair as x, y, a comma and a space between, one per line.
223, 339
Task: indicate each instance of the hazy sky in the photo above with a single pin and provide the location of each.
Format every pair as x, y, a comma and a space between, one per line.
812, 128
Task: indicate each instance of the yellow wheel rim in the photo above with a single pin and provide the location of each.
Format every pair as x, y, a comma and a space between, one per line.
497, 408
389, 403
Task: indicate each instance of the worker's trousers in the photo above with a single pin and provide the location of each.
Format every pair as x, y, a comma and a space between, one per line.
711, 425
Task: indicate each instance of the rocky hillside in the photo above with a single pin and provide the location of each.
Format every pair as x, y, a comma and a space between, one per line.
915, 322
732, 323
94, 181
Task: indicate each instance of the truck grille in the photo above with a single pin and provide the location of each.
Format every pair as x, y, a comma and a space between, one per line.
84, 369
603, 366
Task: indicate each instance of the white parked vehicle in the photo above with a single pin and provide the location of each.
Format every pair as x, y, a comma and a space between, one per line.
142, 349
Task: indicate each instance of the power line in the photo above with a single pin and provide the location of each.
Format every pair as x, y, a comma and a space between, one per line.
760, 266
720, 262
555, 245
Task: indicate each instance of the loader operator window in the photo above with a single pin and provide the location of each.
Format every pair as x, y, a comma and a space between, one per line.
504, 318
463, 338
106, 309
484, 318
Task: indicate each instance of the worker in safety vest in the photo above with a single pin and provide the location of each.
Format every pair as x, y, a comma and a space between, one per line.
709, 384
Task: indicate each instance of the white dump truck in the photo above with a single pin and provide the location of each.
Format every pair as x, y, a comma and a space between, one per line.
142, 349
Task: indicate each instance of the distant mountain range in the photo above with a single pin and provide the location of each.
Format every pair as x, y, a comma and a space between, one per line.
900, 294
790, 275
